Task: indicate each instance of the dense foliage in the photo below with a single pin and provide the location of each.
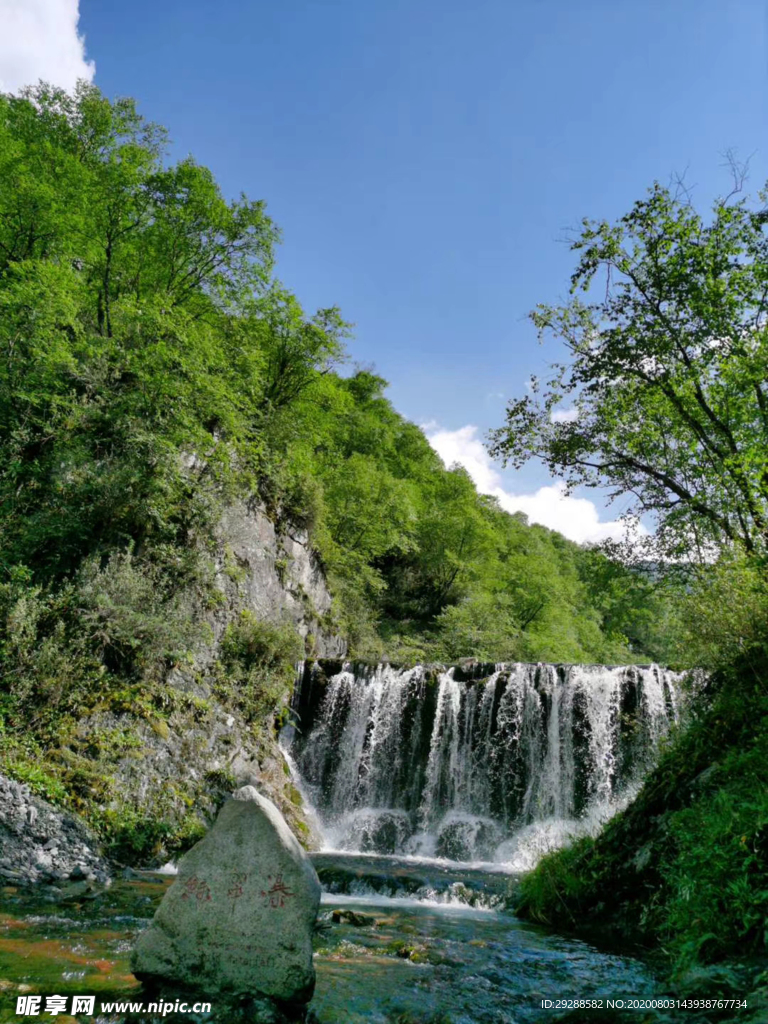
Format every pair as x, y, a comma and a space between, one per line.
424, 566
666, 371
667, 374
152, 367
152, 370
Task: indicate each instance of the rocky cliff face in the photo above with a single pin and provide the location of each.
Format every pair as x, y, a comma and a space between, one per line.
178, 767
273, 573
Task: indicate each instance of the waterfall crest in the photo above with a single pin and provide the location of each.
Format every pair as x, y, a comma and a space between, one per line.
486, 762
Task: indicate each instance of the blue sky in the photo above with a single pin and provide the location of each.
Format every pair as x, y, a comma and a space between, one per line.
426, 158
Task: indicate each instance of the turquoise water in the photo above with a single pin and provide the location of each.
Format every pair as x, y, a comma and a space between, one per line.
398, 942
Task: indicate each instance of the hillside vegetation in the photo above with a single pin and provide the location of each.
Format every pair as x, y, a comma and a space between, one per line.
152, 371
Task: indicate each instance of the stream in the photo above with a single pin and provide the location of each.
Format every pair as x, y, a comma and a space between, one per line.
431, 790
399, 941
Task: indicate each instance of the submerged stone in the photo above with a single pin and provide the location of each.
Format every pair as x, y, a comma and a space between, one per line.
373, 831
467, 838
238, 919
352, 917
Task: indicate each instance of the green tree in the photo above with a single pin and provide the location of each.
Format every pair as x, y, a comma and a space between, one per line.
295, 349
120, 280
151, 369
667, 371
454, 536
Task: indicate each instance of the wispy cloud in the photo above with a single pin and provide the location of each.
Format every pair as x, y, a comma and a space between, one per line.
40, 39
576, 518
564, 415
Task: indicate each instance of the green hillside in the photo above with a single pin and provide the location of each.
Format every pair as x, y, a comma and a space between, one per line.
142, 327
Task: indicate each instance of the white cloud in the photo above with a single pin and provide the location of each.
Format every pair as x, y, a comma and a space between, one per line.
564, 415
430, 426
39, 39
576, 518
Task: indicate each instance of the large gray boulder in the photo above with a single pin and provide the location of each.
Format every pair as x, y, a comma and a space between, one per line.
238, 919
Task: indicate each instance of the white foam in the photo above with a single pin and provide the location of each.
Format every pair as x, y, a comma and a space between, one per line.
547, 751
448, 904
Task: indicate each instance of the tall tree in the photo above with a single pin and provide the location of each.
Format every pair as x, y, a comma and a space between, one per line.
121, 281
667, 372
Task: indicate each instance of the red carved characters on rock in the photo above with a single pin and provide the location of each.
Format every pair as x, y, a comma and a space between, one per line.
239, 878
277, 894
196, 888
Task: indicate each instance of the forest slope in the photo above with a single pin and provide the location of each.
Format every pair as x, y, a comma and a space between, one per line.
154, 376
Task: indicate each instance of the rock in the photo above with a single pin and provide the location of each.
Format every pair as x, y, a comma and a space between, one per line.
269, 570
376, 831
465, 837
238, 919
643, 857
251, 542
40, 843
352, 917
717, 980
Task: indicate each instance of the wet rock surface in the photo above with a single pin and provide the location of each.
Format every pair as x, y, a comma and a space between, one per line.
468, 838
39, 843
238, 920
271, 570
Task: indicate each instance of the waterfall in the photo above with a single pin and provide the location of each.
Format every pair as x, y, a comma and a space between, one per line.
487, 762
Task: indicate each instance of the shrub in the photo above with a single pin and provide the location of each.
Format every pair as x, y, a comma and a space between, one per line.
556, 888
133, 620
46, 666
39, 779
60, 646
724, 618
257, 664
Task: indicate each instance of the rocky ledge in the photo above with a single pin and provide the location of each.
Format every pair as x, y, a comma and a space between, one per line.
41, 844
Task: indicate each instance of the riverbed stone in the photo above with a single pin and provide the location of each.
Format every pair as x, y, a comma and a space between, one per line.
238, 919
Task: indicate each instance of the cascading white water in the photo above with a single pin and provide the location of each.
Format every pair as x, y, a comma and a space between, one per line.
492, 763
